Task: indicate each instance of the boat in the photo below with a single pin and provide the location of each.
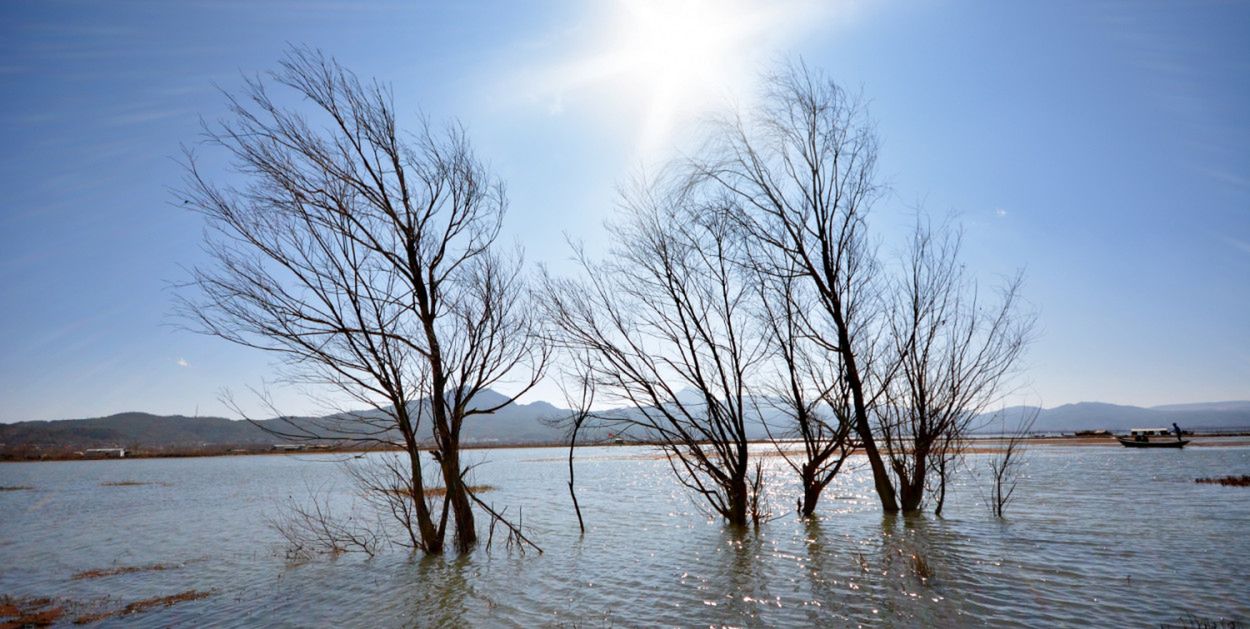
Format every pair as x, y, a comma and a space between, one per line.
1152, 438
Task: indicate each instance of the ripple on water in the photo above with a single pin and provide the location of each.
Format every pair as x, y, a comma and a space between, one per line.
1091, 539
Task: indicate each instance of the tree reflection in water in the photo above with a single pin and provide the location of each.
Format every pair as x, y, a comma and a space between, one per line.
439, 589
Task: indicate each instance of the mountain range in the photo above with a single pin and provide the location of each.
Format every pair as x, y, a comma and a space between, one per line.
530, 423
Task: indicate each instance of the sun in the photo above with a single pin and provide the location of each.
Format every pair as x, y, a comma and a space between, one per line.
681, 56
664, 62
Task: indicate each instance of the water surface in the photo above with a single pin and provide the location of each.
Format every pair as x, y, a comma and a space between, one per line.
1096, 536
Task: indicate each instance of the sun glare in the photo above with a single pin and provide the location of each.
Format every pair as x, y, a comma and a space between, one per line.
682, 55
670, 60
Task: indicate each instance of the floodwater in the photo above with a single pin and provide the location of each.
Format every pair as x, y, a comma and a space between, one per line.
1097, 536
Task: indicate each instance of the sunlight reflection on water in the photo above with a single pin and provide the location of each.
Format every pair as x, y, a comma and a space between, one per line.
1097, 536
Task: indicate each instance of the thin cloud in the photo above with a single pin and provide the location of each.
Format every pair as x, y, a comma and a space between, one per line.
1237, 243
182, 362
1000, 212
1231, 179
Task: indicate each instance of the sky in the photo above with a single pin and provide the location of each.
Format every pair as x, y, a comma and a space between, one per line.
1103, 147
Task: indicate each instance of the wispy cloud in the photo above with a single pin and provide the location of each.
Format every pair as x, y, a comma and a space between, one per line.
1237, 243
1234, 180
1000, 212
139, 116
182, 362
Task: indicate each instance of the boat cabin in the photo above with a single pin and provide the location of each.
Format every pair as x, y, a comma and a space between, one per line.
1144, 434
1151, 432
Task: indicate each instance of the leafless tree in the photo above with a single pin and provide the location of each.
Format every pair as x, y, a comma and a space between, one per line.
802, 172
367, 260
805, 387
904, 362
667, 326
953, 350
946, 456
579, 394
383, 481
1005, 464
313, 527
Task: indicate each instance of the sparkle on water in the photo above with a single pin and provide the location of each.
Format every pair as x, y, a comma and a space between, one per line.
1102, 536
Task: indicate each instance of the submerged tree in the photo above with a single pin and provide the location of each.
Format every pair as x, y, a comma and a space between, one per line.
367, 260
1006, 463
802, 172
904, 363
805, 387
953, 352
666, 327
579, 394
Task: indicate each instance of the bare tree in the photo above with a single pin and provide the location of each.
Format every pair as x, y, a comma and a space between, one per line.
384, 484
579, 394
367, 260
667, 327
1005, 464
953, 351
904, 363
312, 527
802, 172
806, 388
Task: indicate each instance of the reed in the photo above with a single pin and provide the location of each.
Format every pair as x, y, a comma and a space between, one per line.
109, 572
438, 492
143, 605
1227, 481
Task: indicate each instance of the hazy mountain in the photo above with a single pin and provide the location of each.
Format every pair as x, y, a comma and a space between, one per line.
531, 423
1120, 418
1234, 405
514, 423
129, 429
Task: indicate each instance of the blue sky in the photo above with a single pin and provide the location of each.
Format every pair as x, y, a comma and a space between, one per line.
1102, 146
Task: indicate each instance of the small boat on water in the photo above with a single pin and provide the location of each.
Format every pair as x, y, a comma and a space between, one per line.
1152, 438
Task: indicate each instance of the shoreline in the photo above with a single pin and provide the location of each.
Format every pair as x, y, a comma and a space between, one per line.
976, 445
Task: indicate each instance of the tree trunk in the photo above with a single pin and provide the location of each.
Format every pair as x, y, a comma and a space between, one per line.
457, 497
912, 490
941, 492
880, 475
572, 493
811, 494
430, 539
738, 499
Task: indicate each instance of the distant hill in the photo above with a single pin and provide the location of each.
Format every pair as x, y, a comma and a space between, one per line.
129, 430
529, 423
514, 423
1235, 405
1119, 418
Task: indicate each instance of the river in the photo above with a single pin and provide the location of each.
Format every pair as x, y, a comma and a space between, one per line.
1096, 536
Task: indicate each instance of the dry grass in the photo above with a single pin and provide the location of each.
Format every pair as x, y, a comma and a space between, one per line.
920, 567
28, 612
142, 606
1190, 621
1227, 481
438, 492
109, 572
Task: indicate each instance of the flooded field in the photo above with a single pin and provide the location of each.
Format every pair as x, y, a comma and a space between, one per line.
1097, 536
